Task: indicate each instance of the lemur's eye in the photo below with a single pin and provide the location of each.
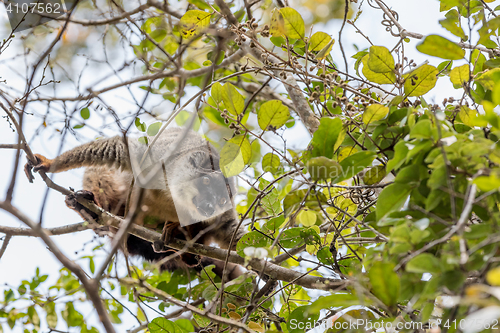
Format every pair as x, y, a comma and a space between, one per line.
222, 201
206, 180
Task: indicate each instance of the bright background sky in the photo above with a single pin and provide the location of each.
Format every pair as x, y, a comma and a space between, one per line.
24, 254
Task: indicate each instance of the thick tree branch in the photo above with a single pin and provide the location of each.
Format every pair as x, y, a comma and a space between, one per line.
272, 270
5, 243
67, 229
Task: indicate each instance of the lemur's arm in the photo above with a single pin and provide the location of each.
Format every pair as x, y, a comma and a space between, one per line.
110, 152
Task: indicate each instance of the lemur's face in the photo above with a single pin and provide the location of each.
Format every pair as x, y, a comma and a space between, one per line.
203, 197
213, 196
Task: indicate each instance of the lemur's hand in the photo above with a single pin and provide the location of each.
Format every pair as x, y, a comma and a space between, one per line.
42, 163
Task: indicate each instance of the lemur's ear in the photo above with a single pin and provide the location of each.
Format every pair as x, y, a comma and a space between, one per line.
198, 159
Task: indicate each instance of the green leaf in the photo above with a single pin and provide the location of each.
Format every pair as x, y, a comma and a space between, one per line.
318, 41
392, 198
270, 163
323, 168
487, 183
293, 23
185, 325
325, 52
233, 101
460, 75
489, 78
252, 239
424, 263
400, 151
193, 23
385, 282
422, 130
381, 78
325, 256
293, 199
51, 317
325, 137
272, 114
467, 115
437, 178
441, 47
154, 128
375, 112
452, 24
374, 175
85, 113
202, 5
291, 238
163, 325
158, 35
355, 163
333, 301
72, 317
216, 92
235, 154
380, 60
301, 315
91, 265
140, 125
421, 80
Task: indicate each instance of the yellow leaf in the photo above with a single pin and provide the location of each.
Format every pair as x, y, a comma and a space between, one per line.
346, 152
194, 22
318, 41
325, 51
256, 327
459, 75
234, 315
381, 78
380, 60
293, 23
375, 112
421, 80
467, 115
307, 218
277, 27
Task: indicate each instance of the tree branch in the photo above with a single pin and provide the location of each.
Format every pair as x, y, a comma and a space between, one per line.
90, 286
301, 106
404, 33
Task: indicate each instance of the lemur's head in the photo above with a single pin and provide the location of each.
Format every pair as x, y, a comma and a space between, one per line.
199, 190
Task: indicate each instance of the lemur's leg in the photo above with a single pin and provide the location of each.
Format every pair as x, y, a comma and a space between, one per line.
72, 203
226, 231
170, 229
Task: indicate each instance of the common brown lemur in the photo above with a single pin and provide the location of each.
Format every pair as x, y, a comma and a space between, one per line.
185, 192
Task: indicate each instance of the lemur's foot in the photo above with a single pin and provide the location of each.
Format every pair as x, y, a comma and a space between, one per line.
42, 164
166, 237
72, 202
